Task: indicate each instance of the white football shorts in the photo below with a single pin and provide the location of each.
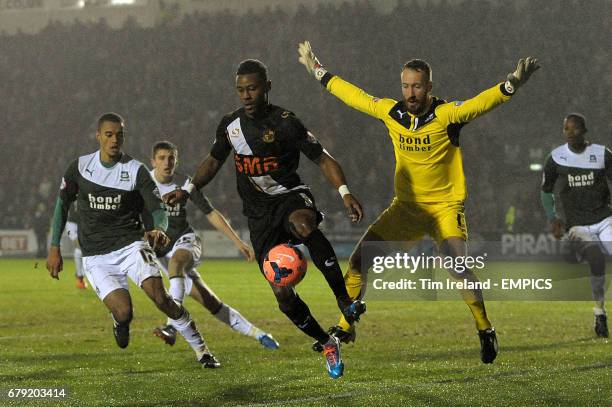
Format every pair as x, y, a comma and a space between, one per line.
108, 272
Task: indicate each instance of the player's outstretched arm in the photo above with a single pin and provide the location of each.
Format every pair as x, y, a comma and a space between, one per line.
524, 69
204, 174
350, 94
468, 110
222, 225
333, 172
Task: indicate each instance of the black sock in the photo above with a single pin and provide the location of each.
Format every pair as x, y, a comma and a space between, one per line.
299, 313
324, 257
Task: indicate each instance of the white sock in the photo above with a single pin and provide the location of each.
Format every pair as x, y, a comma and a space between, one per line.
78, 262
237, 322
177, 289
599, 311
187, 328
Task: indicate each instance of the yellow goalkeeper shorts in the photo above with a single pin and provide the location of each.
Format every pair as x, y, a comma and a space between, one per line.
410, 221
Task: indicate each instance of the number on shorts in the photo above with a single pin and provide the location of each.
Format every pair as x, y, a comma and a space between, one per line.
148, 256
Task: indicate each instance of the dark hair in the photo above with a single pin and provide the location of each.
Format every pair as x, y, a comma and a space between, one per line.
418, 65
578, 119
163, 145
110, 117
253, 66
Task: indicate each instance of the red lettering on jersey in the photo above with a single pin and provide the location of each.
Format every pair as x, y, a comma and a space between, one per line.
255, 166
270, 164
252, 166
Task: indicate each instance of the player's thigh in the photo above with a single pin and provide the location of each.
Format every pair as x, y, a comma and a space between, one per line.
580, 238
400, 222
105, 274
181, 261
604, 233
140, 263
265, 234
448, 221
189, 242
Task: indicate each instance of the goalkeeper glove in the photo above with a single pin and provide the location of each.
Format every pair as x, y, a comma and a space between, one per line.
524, 69
310, 61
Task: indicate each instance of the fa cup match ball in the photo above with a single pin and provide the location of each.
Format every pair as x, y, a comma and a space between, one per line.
284, 265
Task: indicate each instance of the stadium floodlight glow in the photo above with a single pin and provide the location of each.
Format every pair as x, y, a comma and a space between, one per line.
122, 2
535, 167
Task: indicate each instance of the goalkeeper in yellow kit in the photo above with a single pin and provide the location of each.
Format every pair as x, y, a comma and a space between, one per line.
429, 181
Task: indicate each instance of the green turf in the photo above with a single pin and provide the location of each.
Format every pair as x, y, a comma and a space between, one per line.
407, 353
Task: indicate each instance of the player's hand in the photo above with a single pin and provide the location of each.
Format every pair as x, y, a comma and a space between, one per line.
246, 250
55, 263
524, 69
353, 208
176, 196
310, 61
157, 239
557, 228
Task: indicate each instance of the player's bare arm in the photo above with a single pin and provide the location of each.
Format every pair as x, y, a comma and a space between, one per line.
219, 222
204, 174
67, 194
333, 172
55, 263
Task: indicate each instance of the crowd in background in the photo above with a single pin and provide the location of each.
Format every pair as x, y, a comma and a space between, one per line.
176, 80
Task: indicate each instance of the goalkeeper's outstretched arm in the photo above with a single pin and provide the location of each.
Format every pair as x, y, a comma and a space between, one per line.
350, 94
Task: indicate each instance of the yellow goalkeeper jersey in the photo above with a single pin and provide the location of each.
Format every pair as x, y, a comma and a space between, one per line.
428, 164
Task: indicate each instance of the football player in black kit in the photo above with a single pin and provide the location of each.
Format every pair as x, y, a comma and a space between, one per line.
266, 141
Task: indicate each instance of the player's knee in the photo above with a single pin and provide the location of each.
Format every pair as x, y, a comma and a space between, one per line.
302, 228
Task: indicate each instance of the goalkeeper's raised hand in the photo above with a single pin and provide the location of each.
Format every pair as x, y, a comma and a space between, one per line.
310, 61
524, 69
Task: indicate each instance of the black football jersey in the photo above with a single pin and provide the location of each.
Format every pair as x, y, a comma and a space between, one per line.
109, 201
583, 189
266, 154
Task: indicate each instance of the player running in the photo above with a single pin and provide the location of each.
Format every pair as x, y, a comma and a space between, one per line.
581, 169
429, 181
182, 255
266, 141
109, 187
72, 233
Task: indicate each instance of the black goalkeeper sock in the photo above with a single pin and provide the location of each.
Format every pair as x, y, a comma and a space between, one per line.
324, 257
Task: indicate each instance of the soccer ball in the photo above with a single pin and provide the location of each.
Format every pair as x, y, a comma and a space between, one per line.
284, 265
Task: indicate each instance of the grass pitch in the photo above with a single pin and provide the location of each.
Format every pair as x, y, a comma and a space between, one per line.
406, 354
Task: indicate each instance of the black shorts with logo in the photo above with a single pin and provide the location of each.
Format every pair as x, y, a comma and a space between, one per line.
273, 228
